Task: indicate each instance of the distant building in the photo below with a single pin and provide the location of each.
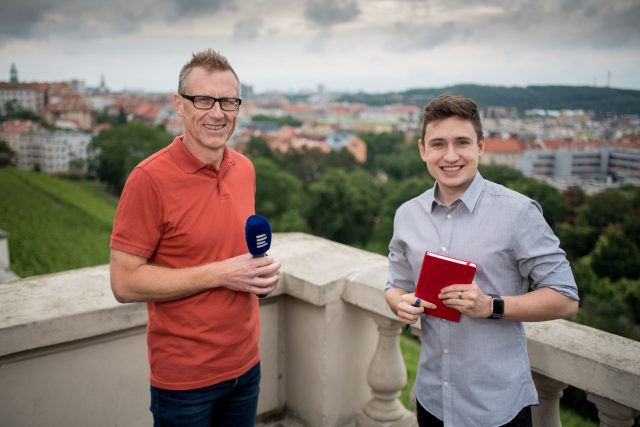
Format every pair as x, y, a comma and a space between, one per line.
26, 96
603, 163
352, 143
49, 152
64, 103
504, 152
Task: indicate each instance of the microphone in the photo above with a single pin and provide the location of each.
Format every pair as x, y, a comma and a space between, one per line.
257, 233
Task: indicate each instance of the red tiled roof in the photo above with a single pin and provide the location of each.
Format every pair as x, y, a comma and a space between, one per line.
492, 145
16, 126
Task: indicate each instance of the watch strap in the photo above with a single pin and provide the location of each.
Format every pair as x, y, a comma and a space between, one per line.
496, 315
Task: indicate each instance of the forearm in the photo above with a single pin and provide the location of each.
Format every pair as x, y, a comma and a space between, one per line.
133, 279
152, 283
539, 305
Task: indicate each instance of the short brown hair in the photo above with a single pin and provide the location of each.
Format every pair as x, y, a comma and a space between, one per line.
208, 59
447, 105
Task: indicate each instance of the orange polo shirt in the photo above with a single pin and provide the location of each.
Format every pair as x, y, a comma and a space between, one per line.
177, 211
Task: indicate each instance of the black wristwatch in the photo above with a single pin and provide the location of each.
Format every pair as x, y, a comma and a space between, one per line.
497, 307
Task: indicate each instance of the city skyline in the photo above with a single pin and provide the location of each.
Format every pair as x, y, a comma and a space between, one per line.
344, 45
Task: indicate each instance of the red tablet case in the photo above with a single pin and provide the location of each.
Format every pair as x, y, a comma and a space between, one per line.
437, 272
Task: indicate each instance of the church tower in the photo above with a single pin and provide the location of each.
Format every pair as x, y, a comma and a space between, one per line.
13, 74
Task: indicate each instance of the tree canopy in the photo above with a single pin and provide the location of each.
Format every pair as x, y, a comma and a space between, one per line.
116, 151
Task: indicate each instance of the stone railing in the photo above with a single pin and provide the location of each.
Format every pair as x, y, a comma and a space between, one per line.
71, 355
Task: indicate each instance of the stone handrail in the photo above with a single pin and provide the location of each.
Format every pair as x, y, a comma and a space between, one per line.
330, 348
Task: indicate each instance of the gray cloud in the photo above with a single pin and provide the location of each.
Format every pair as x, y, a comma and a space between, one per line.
554, 24
327, 13
247, 29
37, 19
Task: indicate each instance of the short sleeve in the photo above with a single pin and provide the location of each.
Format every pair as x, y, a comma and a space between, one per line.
137, 227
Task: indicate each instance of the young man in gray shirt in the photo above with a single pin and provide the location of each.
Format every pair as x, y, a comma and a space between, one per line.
475, 372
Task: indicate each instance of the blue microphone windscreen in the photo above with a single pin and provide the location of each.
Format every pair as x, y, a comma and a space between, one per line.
257, 232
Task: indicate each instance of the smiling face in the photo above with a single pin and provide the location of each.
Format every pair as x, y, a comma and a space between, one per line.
206, 132
452, 151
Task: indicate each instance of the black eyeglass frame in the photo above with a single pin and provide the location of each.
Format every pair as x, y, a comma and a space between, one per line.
237, 101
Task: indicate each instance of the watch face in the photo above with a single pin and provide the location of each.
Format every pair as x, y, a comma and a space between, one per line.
497, 306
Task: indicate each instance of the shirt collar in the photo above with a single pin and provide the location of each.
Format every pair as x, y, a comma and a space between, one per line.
469, 198
190, 163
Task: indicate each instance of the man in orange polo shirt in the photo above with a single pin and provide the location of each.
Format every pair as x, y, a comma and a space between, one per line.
178, 244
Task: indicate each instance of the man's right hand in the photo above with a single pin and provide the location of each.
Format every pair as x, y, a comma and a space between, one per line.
403, 304
245, 273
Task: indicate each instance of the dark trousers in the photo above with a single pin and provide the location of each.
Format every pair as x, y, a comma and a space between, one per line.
231, 403
426, 419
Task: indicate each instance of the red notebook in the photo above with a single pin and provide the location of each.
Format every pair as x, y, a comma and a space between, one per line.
437, 272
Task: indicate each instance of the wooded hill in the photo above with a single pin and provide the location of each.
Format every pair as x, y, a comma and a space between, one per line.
600, 100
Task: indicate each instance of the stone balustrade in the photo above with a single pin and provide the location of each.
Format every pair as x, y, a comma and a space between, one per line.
71, 355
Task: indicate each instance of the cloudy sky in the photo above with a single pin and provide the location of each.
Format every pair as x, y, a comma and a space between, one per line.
348, 45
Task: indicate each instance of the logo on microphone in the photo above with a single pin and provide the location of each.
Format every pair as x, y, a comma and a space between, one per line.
261, 241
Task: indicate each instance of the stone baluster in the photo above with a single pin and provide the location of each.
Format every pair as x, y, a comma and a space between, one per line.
613, 414
386, 377
549, 394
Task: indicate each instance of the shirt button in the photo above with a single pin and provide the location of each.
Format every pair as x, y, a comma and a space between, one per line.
446, 351
446, 383
444, 249
448, 216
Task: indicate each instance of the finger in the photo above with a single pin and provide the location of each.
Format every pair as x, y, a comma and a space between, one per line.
268, 270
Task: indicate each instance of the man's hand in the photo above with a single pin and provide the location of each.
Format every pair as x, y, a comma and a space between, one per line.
408, 312
467, 299
245, 273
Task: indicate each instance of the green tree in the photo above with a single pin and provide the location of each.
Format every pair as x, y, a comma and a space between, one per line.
308, 165
576, 239
615, 256
380, 145
282, 121
343, 206
403, 164
7, 155
612, 307
610, 206
279, 196
257, 146
116, 151
503, 175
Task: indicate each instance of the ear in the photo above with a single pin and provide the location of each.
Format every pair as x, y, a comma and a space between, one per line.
481, 147
423, 149
177, 101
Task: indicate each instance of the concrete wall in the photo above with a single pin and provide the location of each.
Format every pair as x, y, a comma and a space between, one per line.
70, 355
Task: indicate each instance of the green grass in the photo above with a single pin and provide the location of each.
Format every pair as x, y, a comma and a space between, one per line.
410, 348
54, 224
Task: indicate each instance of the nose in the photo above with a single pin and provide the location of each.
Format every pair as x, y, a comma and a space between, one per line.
216, 110
451, 155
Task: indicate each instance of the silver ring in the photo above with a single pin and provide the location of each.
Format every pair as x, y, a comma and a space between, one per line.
460, 295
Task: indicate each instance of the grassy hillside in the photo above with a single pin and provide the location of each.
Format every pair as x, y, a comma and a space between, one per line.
54, 224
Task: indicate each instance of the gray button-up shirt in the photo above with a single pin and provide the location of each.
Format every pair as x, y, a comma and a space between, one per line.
476, 372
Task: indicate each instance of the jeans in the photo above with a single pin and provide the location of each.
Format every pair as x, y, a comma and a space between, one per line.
231, 403
426, 419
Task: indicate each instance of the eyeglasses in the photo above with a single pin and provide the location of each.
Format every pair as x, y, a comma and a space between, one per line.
207, 102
